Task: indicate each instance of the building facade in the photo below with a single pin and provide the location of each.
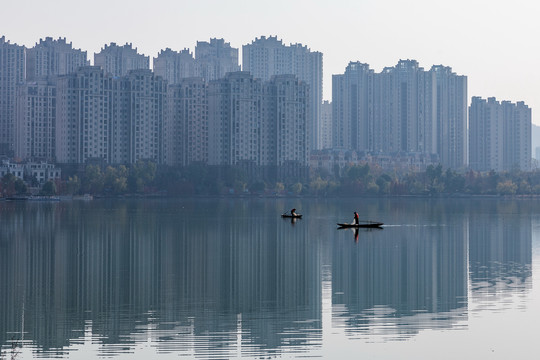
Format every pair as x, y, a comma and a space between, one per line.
119, 60
261, 126
185, 133
326, 125
12, 73
499, 135
83, 116
35, 124
148, 95
235, 115
266, 57
403, 109
173, 66
53, 57
288, 115
214, 59
451, 117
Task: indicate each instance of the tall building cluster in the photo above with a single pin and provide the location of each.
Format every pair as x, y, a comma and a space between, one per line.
266, 57
402, 109
203, 109
500, 135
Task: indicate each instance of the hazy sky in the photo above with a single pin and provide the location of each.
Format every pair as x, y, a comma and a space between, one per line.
495, 43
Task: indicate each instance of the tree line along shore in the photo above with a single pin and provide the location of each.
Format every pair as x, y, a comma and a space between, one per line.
145, 179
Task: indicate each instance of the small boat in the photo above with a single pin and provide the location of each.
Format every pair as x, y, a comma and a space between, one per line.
297, 216
364, 224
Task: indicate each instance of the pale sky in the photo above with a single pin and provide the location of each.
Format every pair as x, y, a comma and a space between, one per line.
495, 43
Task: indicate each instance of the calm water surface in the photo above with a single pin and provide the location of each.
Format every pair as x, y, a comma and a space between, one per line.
221, 279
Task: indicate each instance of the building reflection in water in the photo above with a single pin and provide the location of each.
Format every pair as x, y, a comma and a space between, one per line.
500, 253
401, 280
215, 278
196, 281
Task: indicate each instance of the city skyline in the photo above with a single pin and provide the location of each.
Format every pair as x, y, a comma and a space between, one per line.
469, 37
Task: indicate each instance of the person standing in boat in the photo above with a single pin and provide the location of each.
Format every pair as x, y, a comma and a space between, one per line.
293, 212
356, 221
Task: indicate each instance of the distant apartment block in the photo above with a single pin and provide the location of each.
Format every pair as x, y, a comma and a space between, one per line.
351, 104
256, 123
185, 132
83, 116
403, 109
266, 57
289, 115
12, 73
451, 116
173, 66
110, 120
215, 59
53, 57
499, 135
35, 134
235, 115
147, 94
119, 60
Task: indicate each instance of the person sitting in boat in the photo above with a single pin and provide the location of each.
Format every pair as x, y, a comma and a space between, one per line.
293, 212
356, 221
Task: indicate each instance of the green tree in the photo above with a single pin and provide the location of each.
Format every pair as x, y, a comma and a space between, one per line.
296, 188
93, 180
507, 187
258, 187
12, 185
73, 185
358, 172
317, 185
48, 189
383, 182
141, 174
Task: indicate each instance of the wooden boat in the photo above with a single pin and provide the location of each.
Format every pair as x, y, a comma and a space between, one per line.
364, 224
297, 216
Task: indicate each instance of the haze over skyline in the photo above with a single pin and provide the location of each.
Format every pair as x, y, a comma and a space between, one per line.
493, 43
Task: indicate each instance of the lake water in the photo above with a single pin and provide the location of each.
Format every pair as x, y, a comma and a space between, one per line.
222, 279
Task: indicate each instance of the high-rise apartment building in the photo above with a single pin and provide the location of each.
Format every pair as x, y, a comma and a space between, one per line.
35, 123
173, 66
83, 116
120, 127
111, 120
147, 104
259, 124
266, 57
352, 102
451, 116
403, 109
215, 59
119, 60
287, 125
518, 135
235, 117
185, 132
53, 57
12, 73
326, 125
499, 135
